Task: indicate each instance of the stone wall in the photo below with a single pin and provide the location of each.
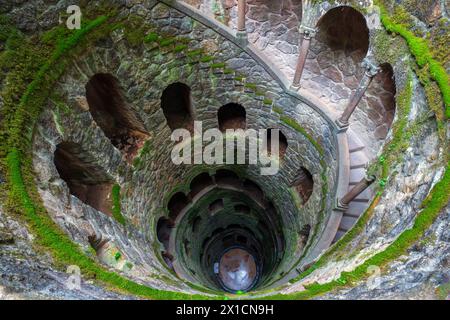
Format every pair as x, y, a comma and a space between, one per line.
409, 185
143, 74
333, 67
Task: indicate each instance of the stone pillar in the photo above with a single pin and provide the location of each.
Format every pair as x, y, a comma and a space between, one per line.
307, 34
371, 71
241, 29
354, 192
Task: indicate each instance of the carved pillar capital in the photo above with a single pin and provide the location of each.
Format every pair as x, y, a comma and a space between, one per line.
371, 68
307, 32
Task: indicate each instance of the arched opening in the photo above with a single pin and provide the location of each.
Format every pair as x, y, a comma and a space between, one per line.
241, 239
304, 235
254, 190
163, 230
176, 204
199, 183
344, 28
238, 269
216, 206
379, 102
232, 116
242, 208
304, 184
196, 224
333, 68
113, 115
177, 107
85, 180
187, 247
231, 218
168, 258
282, 142
227, 177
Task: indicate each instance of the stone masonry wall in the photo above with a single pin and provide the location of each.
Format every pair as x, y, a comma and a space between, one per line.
144, 74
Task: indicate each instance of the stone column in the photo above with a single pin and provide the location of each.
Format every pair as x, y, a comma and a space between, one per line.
371, 71
241, 29
307, 34
354, 192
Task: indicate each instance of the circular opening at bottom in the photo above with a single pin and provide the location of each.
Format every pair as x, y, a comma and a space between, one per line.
237, 270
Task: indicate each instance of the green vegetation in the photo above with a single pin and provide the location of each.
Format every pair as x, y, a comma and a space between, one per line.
180, 48
41, 71
62, 248
194, 53
206, 59
134, 30
151, 37
293, 124
167, 42
267, 101
277, 110
218, 65
419, 47
116, 209
251, 86
432, 207
381, 169
117, 256
31, 72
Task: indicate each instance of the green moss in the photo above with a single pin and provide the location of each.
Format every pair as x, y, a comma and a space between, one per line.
434, 100
218, 65
151, 37
420, 49
206, 59
432, 207
61, 247
145, 150
117, 256
134, 30
116, 209
194, 53
277, 109
268, 101
23, 198
294, 124
180, 48
165, 42
44, 69
251, 85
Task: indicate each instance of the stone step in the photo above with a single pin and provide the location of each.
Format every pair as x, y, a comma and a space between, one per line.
356, 149
360, 166
355, 209
347, 223
339, 234
366, 195
356, 175
358, 159
354, 144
